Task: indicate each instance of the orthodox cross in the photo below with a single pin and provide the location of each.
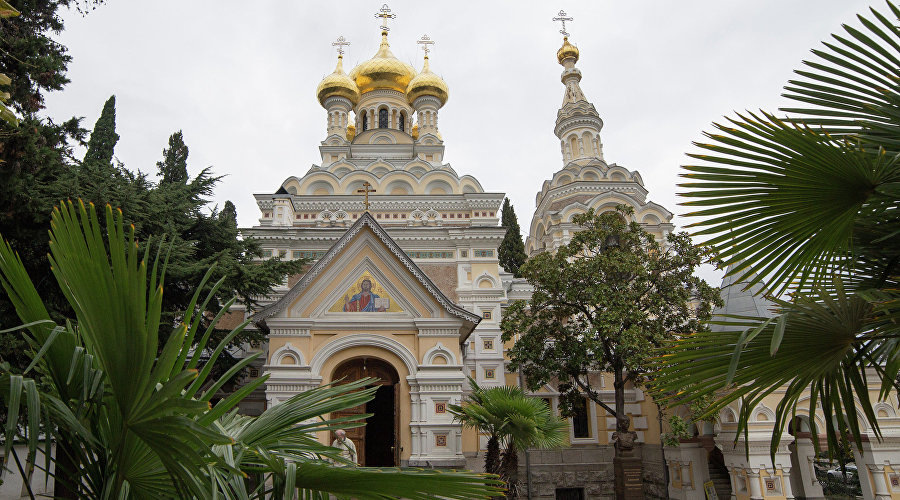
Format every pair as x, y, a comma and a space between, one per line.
425, 42
366, 189
385, 13
340, 44
563, 18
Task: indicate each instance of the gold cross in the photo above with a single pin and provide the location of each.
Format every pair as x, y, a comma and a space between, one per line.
340, 43
366, 189
562, 17
385, 13
425, 42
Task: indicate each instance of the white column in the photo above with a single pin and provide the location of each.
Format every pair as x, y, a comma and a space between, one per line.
755, 484
806, 455
879, 483
733, 481
786, 483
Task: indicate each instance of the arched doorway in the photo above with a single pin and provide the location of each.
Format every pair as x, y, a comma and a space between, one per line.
376, 442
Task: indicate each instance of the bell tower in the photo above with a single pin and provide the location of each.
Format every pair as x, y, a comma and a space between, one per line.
578, 124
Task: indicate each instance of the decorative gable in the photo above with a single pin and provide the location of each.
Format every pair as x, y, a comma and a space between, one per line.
366, 273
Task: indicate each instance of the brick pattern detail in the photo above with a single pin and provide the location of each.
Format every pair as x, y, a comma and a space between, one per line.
443, 276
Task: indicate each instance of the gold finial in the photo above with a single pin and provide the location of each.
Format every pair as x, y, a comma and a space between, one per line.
425, 41
385, 13
366, 189
340, 44
563, 18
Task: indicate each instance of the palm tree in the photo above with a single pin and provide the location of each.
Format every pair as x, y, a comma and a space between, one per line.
806, 205
130, 423
511, 418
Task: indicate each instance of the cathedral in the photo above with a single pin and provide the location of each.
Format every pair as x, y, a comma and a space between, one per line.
404, 285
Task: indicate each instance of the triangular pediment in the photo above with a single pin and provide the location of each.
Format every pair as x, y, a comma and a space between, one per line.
365, 276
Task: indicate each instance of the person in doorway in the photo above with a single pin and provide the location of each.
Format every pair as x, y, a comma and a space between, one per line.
348, 449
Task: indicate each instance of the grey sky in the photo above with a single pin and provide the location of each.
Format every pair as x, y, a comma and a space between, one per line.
239, 79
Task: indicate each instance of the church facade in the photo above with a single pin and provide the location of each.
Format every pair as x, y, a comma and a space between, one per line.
404, 285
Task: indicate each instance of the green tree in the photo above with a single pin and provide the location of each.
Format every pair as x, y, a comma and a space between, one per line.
173, 167
102, 144
513, 419
6, 10
807, 204
512, 250
37, 154
601, 304
132, 420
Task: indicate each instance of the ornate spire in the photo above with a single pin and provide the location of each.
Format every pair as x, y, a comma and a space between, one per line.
577, 123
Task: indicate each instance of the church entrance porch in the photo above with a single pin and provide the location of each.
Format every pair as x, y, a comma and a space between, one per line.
377, 441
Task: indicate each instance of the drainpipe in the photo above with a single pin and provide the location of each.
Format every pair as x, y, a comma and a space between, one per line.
527, 453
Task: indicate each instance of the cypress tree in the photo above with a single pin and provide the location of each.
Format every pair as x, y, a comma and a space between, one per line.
173, 167
512, 249
102, 143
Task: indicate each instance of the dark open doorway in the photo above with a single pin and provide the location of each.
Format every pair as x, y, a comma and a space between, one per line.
380, 438
377, 442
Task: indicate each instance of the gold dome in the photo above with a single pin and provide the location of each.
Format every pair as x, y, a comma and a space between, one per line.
338, 84
566, 51
351, 132
427, 83
383, 71
415, 132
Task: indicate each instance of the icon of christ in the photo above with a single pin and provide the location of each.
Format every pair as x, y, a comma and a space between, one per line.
365, 300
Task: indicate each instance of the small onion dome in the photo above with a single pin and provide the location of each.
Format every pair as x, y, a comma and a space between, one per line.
338, 84
415, 132
566, 51
351, 132
427, 83
383, 71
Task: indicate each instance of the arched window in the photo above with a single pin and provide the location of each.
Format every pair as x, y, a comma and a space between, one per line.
365, 121
402, 121
382, 118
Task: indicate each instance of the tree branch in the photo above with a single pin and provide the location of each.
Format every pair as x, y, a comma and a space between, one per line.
595, 397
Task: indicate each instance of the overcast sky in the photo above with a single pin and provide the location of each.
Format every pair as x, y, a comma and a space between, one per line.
239, 79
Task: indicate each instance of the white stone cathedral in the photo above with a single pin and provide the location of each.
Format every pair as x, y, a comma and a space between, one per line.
404, 285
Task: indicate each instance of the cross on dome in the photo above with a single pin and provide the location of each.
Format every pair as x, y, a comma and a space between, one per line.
385, 13
425, 41
340, 44
562, 17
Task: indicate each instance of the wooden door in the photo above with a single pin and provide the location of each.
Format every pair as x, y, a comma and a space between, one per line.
351, 372
386, 375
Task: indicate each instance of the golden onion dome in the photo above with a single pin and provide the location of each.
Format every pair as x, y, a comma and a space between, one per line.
415, 132
427, 83
566, 51
383, 71
351, 132
338, 84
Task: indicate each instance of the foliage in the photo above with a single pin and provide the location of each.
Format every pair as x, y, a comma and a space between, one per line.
6, 10
678, 430
512, 250
511, 419
102, 144
132, 420
601, 303
36, 155
808, 205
